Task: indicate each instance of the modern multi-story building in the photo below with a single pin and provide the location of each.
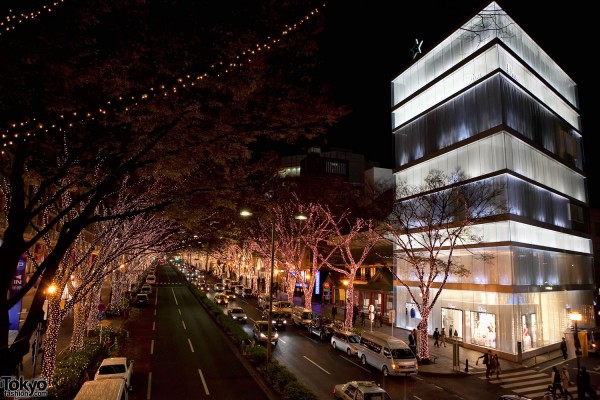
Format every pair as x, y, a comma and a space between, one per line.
488, 100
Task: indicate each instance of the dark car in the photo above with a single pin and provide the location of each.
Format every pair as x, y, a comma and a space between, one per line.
141, 300
322, 327
280, 319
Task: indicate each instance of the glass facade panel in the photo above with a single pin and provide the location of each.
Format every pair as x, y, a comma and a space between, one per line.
491, 103
464, 42
478, 159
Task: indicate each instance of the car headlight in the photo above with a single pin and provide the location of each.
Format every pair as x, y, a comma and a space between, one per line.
276, 335
263, 336
394, 366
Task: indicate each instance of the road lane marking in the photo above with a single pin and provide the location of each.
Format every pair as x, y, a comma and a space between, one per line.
152, 347
179, 311
282, 341
175, 297
156, 298
191, 347
149, 384
317, 365
154, 325
416, 397
418, 377
183, 323
204, 383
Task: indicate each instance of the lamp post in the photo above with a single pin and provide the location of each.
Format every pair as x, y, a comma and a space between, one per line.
575, 317
247, 213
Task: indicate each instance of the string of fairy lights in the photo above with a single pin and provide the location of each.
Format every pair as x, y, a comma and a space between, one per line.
61, 122
14, 19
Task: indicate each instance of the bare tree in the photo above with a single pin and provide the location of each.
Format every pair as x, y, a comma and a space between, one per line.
427, 224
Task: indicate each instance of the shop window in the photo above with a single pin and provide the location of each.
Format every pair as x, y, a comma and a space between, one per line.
483, 329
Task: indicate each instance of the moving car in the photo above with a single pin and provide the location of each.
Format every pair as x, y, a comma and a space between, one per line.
141, 300
221, 299
237, 314
230, 294
354, 390
260, 332
263, 300
346, 341
219, 287
283, 306
247, 293
280, 319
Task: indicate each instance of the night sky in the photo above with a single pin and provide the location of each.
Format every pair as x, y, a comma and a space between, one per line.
368, 44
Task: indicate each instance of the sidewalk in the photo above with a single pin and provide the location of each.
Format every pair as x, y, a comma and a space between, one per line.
64, 334
442, 356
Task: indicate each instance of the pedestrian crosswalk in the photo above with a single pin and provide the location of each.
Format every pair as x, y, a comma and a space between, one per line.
530, 383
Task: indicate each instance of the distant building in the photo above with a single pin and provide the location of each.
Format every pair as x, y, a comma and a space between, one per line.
339, 163
487, 99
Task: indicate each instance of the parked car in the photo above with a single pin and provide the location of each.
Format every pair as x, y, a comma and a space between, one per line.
321, 327
115, 367
237, 314
346, 341
220, 299
260, 332
355, 390
280, 319
203, 287
146, 289
141, 300
302, 316
151, 279
108, 389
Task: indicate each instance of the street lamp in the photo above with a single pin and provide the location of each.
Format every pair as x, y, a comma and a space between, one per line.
246, 214
575, 317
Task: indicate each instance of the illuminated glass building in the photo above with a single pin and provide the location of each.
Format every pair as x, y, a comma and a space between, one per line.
489, 100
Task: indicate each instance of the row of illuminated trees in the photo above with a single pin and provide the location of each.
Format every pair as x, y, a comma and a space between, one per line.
424, 228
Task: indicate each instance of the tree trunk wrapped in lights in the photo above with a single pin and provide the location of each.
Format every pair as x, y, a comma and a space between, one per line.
55, 317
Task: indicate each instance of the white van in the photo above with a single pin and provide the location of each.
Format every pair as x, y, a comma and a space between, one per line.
107, 389
387, 353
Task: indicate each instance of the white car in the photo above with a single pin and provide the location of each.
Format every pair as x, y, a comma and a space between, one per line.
237, 314
360, 390
115, 368
346, 341
151, 279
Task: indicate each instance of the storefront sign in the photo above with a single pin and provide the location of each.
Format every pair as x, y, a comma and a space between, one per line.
17, 284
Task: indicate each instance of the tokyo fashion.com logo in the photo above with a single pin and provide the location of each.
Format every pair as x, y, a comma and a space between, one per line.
21, 387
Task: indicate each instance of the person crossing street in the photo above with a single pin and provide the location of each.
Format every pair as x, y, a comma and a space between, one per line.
436, 337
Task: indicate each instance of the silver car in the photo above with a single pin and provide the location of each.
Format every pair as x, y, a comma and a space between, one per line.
346, 341
237, 314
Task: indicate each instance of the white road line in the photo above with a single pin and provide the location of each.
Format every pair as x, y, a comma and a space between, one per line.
156, 298
540, 387
438, 387
183, 323
512, 385
149, 385
417, 397
191, 347
282, 341
419, 378
154, 325
203, 383
179, 311
175, 297
317, 365
152, 347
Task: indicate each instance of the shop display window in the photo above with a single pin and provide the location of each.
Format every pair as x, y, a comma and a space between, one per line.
483, 329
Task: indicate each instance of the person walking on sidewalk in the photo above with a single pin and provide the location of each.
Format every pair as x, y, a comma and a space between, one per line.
436, 337
584, 386
563, 348
443, 337
412, 343
487, 361
333, 311
556, 382
362, 318
496, 365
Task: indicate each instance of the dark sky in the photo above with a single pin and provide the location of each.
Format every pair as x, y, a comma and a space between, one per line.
368, 44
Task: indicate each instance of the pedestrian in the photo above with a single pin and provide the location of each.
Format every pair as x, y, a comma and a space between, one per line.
412, 342
487, 361
380, 320
362, 318
556, 382
563, 348
436, 337
416, 336
443, 337
333, 311
583, 385
496, 365
354, 314
565, 381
